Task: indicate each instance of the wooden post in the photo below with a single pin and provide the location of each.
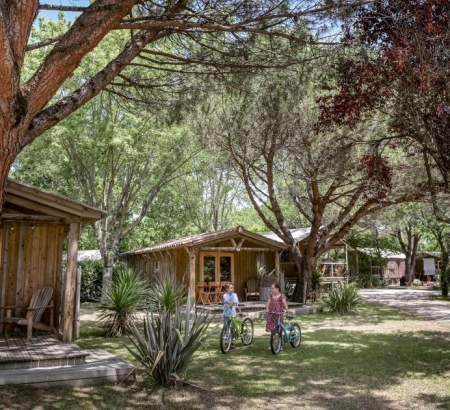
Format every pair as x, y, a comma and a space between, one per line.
76, 324
70, 283
192, 265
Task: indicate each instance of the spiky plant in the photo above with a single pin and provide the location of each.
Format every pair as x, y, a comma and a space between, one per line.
167, 344
342, 298
166, 294
126, 296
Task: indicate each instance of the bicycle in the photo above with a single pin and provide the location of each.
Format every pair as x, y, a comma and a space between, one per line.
234, 329
283, 333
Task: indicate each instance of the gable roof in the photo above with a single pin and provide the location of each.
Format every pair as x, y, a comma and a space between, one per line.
208, 237
31, 200
298, 234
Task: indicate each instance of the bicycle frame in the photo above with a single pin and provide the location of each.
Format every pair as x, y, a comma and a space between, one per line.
235, 325
280, 326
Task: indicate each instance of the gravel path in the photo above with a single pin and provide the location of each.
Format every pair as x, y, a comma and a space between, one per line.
414, 301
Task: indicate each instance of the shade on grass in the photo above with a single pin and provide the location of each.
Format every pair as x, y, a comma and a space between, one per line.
378, 358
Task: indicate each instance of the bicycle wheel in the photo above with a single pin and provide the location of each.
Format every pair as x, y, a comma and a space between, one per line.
226, 338
276, 341
295, 335
247, 331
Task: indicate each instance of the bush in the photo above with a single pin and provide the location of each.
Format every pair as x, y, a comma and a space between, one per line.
91, 281
167, 345
342, 298
166, 294
126, 296
417, 282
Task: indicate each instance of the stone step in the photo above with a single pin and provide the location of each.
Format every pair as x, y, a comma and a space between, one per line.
100, 367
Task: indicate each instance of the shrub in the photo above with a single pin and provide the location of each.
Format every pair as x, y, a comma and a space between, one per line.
342, 298
166, 294
126, 296
91, 281
167, 344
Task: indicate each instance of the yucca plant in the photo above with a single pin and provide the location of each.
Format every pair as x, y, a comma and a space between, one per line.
167, 344
126, 296
166, 294
342, 298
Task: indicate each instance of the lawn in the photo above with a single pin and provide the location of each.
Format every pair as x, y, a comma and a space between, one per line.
378, 358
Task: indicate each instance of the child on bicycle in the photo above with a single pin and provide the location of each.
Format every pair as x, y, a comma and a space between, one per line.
230, 301
276, 305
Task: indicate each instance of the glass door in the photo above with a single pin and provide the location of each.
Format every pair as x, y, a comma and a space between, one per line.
216, 267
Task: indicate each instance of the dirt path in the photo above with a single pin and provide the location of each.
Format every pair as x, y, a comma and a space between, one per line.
419, 302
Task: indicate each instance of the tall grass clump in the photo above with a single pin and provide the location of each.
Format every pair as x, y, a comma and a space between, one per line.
171, 334
342, 298
166, 294
126, 296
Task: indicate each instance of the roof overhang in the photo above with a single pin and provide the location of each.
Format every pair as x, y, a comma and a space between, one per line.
40, 205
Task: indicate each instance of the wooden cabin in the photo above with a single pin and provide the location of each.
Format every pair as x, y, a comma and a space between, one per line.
383, 263
428, 266
35, 227
205, 262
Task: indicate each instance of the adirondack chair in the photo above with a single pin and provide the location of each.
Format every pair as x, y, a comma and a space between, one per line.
38, 304
251, 290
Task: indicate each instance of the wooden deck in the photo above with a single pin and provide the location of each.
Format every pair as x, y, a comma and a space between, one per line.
47, 361
43, 351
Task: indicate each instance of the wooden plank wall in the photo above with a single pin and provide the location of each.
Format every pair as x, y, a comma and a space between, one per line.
174, 262
32, 258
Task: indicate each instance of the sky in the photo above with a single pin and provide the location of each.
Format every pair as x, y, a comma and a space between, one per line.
54, 14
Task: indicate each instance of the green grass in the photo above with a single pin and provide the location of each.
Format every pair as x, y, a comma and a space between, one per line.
377, 358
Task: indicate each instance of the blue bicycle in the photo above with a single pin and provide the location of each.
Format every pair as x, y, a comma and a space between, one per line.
283, 333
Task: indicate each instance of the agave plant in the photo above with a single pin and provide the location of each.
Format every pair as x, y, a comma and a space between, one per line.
125, 297
167, 344
166, 294
342, 298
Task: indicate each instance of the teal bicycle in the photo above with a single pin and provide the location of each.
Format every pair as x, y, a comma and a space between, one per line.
234, 329
283, 333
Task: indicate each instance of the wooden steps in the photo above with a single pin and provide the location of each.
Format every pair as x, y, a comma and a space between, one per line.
44, 351
47, 361
100, 367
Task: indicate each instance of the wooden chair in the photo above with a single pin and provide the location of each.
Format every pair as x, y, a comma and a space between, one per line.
203, 294
39, 303
251, 290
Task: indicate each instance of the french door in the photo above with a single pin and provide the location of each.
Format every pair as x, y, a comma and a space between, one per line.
216, 267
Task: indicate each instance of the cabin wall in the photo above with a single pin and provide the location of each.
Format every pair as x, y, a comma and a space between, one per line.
151, 265
31, 255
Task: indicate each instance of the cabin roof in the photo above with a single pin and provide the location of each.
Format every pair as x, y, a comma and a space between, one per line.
383, 253
297, 233
209, 237
23, 200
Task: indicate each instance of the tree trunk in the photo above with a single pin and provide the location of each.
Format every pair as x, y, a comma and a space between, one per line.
305, 265
108, 263
444, 274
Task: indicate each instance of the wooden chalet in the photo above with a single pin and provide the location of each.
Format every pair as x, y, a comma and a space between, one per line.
385, 264
205, 262
35, 227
